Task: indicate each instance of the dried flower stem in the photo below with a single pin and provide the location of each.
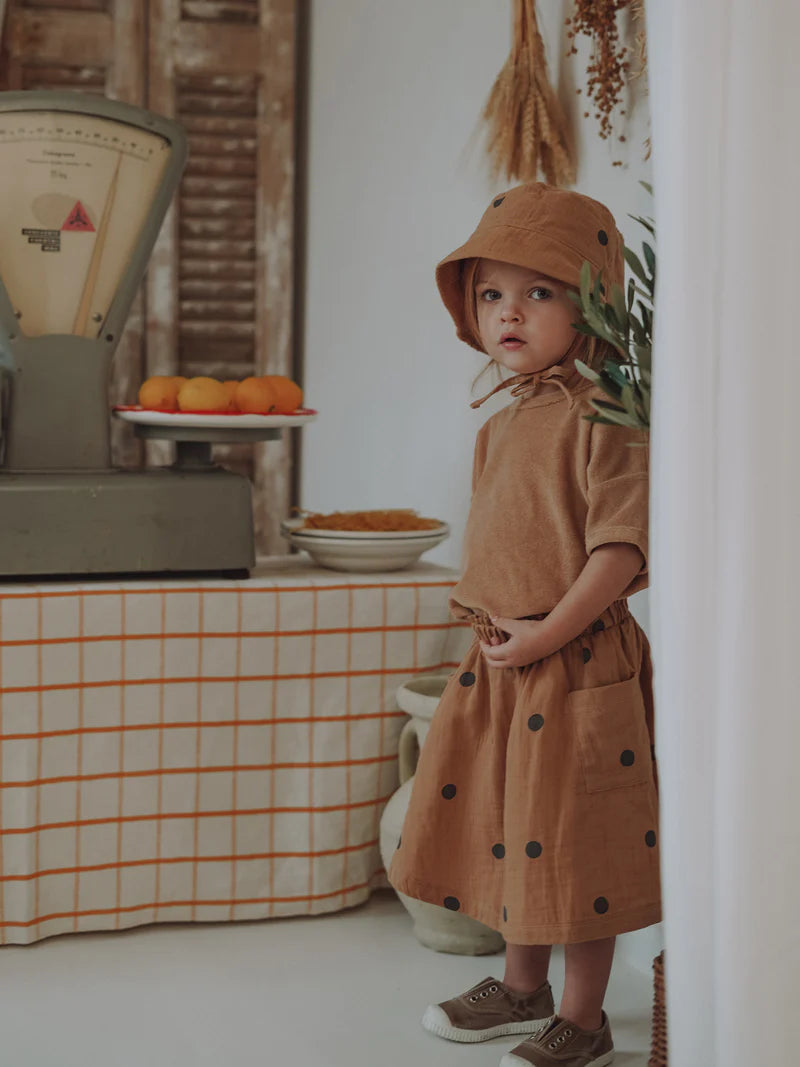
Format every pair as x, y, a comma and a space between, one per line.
527, 126
608, 66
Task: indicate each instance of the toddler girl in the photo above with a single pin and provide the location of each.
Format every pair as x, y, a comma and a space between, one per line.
534, 807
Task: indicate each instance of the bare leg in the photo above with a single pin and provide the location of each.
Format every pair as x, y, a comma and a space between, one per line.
587, 970
526, 966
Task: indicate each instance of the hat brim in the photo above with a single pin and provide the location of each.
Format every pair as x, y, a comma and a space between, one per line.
523, 246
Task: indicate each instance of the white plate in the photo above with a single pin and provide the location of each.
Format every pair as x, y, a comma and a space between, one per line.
213, 422
295, 526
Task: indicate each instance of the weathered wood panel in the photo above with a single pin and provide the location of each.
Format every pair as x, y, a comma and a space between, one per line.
127, 78
161, 329
72, 79
67, 5
221, 10
230, 251
218, 231
74, 38
275, 253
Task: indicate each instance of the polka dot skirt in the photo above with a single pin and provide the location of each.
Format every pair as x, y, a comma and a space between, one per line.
534, 807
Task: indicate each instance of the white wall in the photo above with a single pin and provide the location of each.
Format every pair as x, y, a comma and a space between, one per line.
397, 180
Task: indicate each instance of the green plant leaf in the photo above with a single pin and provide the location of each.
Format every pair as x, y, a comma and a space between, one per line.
583, 327
615, 414
587, 372
628, 398
618, 303
635, 264
631, 294
647, 186
650, 258
647, 223
608, 385
638, 331
586, 281
616, 373
599, 289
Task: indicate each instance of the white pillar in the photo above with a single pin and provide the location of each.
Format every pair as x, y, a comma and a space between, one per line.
725, 570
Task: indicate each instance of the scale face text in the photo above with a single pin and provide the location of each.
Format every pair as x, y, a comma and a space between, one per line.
77, 189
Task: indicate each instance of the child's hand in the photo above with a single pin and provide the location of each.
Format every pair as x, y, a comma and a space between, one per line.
524, 646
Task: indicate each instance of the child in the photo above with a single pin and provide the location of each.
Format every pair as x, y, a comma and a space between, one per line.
534, 807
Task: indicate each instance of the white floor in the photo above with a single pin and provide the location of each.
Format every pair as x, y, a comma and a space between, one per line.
343, 990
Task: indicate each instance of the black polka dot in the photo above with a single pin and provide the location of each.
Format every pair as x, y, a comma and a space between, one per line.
498, 851
498, 201
598, 626
602, 237
467, 678
533, 849
650, 839
587, 655
449, 792
536, 722
452, 903
505, 914
627, 758
601, 905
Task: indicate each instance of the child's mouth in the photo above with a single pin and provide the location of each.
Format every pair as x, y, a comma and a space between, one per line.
511, 343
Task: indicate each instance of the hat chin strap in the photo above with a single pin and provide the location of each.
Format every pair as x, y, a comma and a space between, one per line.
524, 385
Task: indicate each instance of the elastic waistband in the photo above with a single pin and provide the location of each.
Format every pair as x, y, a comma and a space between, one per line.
613, 615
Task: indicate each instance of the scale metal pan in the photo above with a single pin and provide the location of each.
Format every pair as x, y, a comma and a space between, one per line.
212, 420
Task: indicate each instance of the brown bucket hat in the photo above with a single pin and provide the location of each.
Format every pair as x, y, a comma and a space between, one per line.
541, 227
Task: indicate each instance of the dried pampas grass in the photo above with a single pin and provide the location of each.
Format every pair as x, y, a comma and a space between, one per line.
527, 126
640, 40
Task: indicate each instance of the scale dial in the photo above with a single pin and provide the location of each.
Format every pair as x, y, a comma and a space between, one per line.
77, 189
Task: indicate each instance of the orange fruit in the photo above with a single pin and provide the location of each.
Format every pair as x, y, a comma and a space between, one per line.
289, 394
203, 394
256, 396
231, 386
160, 393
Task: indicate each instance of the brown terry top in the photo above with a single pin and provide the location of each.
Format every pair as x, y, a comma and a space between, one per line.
548, 487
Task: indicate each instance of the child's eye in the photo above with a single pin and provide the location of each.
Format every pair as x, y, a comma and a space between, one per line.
540, 293
490, 295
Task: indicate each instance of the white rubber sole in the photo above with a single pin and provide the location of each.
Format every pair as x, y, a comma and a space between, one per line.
436, 1022
510, 1060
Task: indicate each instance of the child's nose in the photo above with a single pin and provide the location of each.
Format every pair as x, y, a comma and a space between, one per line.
510, 310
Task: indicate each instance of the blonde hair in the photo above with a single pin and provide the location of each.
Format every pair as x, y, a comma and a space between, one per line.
593, 351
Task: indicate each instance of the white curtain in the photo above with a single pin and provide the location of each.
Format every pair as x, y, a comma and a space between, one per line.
725, 587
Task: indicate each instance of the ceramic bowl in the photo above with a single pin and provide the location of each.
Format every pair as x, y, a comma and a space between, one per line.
363, 551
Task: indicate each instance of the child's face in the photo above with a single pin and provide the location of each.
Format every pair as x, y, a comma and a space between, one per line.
525, 318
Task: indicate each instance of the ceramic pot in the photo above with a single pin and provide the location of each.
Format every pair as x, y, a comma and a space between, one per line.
435, 927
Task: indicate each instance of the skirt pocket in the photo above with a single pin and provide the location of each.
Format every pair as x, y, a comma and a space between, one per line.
611, 731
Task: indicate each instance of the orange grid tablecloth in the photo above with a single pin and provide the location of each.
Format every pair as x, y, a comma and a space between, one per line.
204, 750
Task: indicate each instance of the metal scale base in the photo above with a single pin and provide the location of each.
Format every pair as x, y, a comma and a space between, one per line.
188, 518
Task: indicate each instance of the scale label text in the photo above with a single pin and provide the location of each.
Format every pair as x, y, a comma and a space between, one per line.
48, 240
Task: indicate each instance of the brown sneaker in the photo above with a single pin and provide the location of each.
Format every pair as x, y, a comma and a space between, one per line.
489, 1009
563, 1044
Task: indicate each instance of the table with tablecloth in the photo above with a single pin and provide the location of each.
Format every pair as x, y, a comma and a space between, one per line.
204, 749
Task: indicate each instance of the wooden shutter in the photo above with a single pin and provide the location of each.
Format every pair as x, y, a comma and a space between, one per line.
218, 298
226, 70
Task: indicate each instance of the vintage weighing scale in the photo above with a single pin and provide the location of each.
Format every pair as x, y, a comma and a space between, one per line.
86, 183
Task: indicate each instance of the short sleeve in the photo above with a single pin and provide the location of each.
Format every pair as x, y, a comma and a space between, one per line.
618, 488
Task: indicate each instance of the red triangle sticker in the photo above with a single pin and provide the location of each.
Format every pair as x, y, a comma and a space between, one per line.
78, 219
